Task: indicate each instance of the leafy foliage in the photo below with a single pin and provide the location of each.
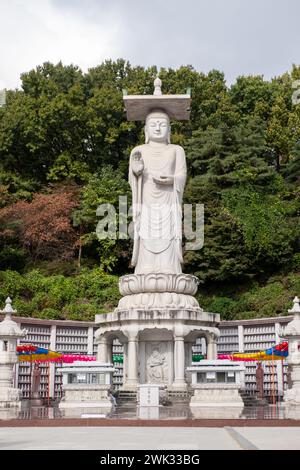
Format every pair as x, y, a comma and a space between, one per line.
58, 296
41, 227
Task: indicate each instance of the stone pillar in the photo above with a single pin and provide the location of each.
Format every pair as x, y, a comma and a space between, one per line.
241, 338
125, 361
292, 335
188, 360
179, 380
203, 346
10, 332
110, 351
90, 346
102, 353
279, 364
142, 362
52, 366
188, 353
132, 368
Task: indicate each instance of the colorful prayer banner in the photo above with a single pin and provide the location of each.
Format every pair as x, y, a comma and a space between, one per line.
30, 353
276, 353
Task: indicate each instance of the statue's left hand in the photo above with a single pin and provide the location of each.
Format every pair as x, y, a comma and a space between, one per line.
165, 180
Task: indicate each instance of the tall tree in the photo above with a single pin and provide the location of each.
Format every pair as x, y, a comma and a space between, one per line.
43, 226
103, 188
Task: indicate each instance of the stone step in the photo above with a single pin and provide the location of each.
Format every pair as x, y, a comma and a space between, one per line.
176, 396
250, 400
125, 396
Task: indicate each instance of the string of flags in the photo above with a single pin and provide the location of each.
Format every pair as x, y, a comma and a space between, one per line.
276, 353
30, 353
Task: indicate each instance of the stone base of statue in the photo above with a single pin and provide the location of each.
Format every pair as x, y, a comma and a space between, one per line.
157, 321
152, 291
152, 300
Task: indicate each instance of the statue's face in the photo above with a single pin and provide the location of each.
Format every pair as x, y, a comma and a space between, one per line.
157, 128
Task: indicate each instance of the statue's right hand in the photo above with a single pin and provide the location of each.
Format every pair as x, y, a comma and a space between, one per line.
137, 163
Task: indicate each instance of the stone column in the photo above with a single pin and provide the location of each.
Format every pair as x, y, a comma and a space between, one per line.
203, 346
179, 356
292, 335
241, 338
52, 366
102, 353
188, 353
132, 369
188, 360
90, 346
279, 364
124, 363
10, 332
110, 352
212, 354
142, 362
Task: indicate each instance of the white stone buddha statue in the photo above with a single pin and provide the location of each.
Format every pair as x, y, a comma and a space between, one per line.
157, 175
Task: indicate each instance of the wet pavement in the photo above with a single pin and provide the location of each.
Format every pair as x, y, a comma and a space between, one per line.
149, 438
132, 412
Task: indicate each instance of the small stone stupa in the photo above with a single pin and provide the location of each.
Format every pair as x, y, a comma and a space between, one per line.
10, 332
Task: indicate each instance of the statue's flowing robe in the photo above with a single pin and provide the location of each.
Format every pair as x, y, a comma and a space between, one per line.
157, 212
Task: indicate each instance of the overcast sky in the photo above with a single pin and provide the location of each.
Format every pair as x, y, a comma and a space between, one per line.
235, 36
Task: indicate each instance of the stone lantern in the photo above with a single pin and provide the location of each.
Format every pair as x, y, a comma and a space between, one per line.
292, 334
10, 332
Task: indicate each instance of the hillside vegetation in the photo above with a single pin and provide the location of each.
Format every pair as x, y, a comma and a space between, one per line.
64, 149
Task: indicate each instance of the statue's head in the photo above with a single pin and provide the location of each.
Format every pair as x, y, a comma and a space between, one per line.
157, 127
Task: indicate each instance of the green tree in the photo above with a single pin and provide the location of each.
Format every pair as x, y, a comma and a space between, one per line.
226, 161
104, 187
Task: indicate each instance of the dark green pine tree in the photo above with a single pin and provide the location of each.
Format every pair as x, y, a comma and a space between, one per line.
220, 160
292, 169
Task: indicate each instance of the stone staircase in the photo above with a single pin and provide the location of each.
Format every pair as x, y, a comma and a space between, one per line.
252, 400
126, 397
130, 397
179, 396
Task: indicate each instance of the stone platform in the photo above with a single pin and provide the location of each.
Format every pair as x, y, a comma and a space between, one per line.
157, 342
86, 385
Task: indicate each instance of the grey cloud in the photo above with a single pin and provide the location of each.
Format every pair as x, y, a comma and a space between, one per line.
238, 37
235, 36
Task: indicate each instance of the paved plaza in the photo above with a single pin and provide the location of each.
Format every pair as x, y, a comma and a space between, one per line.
154, 438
